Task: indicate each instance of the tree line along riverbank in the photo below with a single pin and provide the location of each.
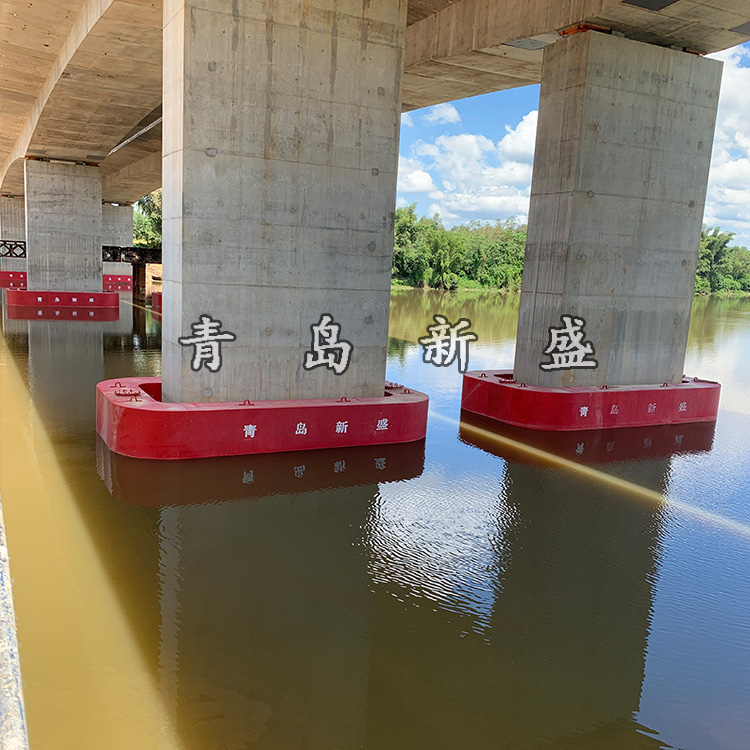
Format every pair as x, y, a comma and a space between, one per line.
487, 256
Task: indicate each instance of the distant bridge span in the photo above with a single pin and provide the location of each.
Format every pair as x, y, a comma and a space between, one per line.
132, 254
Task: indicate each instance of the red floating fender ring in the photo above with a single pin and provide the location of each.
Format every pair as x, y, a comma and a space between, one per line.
133, 421
499, 397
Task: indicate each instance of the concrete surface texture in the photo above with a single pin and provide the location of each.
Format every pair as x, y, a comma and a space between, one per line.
117, 225
12, 227
465, 48
280, 154
63, 227
12, 218
81, 75
620, 171
99, 62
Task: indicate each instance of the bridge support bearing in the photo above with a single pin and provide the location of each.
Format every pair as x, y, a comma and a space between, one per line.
621, 164
133, 421
497, 395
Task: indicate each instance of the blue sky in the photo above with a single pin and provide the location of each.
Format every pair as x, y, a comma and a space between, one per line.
472, 159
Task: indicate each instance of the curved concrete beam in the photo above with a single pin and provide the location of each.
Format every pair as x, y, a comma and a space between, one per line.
32, 36
131, 183
97, 84
134, 169
106, 78
12, 183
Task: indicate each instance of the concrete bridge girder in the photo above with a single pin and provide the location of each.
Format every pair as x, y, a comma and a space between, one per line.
92, 68
104, 79
474, 47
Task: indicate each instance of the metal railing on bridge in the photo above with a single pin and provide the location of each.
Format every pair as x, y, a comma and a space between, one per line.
12, 249
136, 256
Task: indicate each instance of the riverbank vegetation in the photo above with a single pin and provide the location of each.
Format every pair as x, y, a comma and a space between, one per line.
722, 268
490, 256
474, 255
486, 256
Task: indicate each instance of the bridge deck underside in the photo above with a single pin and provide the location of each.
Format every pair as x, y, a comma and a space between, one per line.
82, 77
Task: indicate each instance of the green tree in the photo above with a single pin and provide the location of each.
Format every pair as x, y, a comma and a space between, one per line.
446, 256
147, 220
737, 266
712, 257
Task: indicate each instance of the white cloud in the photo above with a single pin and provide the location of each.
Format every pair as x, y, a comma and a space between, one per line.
442, 113
728, 199
475, 177
445, 214
412, 177
406, 120
518, 143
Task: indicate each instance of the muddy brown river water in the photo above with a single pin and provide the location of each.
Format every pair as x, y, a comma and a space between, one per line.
466, 592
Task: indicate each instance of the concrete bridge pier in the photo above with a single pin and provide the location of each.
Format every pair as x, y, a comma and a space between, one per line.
280, 132
63, 226
12, 227
620, 172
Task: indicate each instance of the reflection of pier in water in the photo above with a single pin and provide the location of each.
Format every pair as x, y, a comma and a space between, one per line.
559, 658
67, 358
316, 652
586, 446
295, 621
265, 620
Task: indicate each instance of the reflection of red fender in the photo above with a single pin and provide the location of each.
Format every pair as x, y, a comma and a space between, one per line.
587, 446
210, 480
110, 282
156, 301
133, 421
116, 282
13, 279
495, 394
81, 300
25, 312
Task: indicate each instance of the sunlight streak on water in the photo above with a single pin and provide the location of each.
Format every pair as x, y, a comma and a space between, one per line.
602, 477
69, 618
